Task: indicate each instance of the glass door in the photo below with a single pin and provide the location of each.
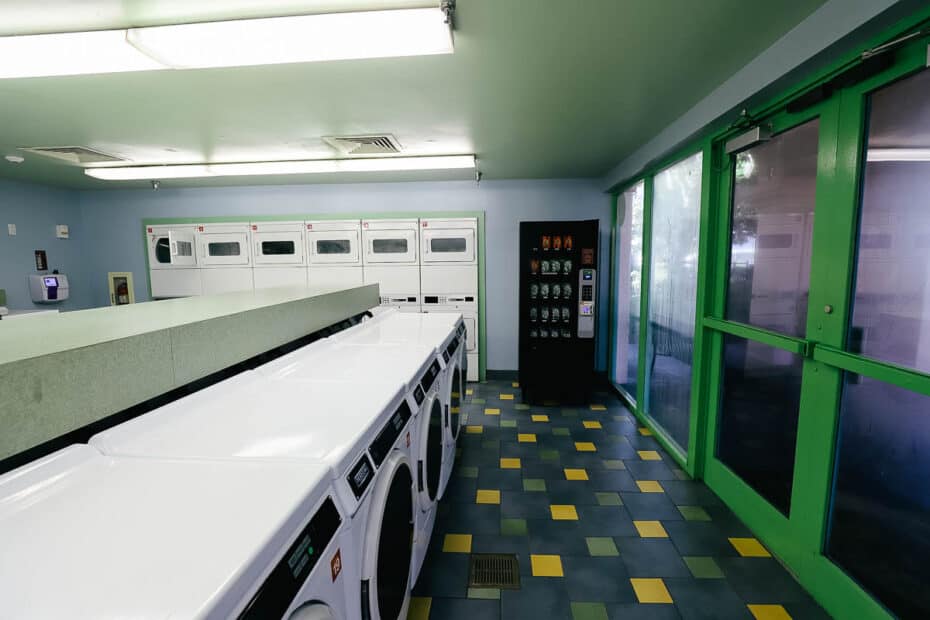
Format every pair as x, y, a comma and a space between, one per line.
628, 259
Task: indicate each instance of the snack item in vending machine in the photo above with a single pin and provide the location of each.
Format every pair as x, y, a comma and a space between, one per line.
544, 290
566, 267
534, 290
546, 242
545, 266
568, 242
556, 242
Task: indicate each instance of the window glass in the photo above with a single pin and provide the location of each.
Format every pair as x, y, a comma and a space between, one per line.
773, 220
278, 248
389, 246
222, 248
163, 250
880, 520
759, 417
333, 246
891, 305
447, 244
629, 270
676, 213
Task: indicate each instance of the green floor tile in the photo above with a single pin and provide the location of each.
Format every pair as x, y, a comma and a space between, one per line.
491, 444
570, 413
488, 594
694, 513
589, 611
508, 424
560, 431
478, 401
614, 464
602, 547
534, 484
609, 499
513, 527
467, 471
703, 567
521, 407
549, 455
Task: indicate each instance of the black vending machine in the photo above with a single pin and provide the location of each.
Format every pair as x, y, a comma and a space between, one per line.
558, 310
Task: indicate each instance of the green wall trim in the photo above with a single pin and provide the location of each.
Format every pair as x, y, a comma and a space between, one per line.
798, 346
397, 215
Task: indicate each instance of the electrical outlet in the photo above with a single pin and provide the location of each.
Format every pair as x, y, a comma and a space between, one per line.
11, 229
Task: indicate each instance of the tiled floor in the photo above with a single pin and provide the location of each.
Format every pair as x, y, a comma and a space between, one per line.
603, 522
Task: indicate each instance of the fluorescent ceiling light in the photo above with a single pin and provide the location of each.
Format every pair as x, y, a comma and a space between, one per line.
310, 166
898, 154
268, 41
75, 53
307, 38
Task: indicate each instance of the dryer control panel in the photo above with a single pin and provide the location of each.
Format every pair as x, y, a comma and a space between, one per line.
587, 293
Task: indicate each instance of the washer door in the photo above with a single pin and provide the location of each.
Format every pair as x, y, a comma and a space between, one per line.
456, 390
314, 611
429, 465
389, 542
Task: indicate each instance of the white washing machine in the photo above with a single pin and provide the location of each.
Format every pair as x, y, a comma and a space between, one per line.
334, 253
225, 258
439, 331
467, 306
173, 265
279, 254
361, 436
88, 536
419, 369
390, 255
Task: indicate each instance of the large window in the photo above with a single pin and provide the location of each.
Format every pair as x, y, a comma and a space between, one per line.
629, 262
676, 212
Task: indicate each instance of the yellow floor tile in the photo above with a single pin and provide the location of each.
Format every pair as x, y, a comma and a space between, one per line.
769, 612
506, 396
510, 463
457, 543
649, 455
592, 424
455, 409
649, 486
539, 417
469, 392
515, 384
598, 408
526, 438
492, 411
474, 429
563, 512
645, 432
576, 474
419, 608
651, 591
585, 446
749, 548
546, 566
650, 529
488, 496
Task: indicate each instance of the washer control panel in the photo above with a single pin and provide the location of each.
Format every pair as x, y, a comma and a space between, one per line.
587, 288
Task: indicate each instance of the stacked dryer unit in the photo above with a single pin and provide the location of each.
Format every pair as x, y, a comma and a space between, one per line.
174, 270
334, 253
225, 258
449, 275
390, 256
88, 536
279, 253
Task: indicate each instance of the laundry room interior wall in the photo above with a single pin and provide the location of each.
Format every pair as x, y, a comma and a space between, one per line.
35, 210
114, 221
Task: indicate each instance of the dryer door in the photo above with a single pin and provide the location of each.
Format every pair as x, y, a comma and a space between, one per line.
388, 550
451, 245
390, 246
333, 247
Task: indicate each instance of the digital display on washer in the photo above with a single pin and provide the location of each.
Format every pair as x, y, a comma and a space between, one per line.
360, 476
429, 377
383, 443
288, 576
452, 346
419, 395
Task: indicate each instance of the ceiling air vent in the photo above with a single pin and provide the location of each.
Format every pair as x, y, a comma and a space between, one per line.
78, 155
384, 144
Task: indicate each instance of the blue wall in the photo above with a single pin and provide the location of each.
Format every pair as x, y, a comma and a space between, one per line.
36, 209
114, 219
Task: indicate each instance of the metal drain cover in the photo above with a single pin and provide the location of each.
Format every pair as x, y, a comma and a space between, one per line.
494, 570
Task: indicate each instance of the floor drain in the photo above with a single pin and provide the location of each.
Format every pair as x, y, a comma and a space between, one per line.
494, 570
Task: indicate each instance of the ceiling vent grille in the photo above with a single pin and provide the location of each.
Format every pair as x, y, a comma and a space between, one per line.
384, 144
77, 155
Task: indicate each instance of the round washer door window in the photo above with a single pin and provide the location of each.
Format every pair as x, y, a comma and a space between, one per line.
434, 449
395, 545
455, 402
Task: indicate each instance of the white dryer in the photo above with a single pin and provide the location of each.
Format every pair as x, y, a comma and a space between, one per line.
225, 258
173, 265
279, 253
419, 368
334, 253
467, 306
88, 536
361, 436
391, 260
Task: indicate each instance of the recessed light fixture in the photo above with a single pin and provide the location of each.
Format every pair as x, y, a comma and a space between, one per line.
918, 154
265, 168
273, 40
14, 159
